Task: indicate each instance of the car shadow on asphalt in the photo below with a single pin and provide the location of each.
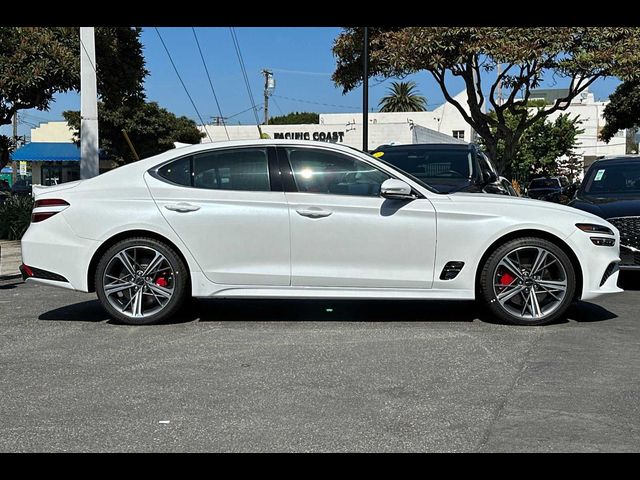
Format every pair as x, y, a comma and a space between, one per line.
279, 310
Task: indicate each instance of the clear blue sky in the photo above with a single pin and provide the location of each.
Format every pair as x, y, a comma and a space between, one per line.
300, 58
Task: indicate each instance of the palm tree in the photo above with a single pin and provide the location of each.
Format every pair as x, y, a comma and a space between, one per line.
403, 98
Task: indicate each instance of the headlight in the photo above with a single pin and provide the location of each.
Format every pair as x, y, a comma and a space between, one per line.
593, 228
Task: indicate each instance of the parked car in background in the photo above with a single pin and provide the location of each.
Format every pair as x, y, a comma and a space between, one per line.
444, 166
611, 190
22, 187
550, 189
300, 219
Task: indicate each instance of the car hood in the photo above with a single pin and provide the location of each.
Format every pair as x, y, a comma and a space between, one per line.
608, 207
504, 201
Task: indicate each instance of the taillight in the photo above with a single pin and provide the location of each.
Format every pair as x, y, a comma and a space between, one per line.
52, 205
51, 202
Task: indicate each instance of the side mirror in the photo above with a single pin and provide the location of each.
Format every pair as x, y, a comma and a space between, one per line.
489, 177
396, 189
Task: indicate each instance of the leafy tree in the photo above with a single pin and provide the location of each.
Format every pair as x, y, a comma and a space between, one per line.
542, 145
295, 118
403, 98
151, 129
623, 110
527, 56
37, 63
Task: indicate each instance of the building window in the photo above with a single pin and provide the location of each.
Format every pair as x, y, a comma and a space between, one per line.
458, 134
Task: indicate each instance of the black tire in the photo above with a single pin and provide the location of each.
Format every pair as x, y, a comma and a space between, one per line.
179, 278
487, 293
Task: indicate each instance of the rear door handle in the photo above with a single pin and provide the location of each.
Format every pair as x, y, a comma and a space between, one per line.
182, 207
313, 212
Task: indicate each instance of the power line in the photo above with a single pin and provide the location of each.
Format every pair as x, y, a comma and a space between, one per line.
277, 106
314, 103
210, 83
244, 73
183, 85
88, 57
300, 72
256, 107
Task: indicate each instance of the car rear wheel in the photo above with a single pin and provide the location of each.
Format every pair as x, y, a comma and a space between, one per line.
141, 281
528, 281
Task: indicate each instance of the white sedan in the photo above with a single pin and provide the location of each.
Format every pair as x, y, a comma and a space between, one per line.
293, 219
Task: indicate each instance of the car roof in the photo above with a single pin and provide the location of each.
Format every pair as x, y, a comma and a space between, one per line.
616, 160
428, 146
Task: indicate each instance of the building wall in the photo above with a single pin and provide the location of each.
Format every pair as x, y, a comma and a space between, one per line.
378, 133
445, 119
52, 132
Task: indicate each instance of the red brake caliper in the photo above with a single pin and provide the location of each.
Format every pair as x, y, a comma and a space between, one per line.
506, 279
161, 282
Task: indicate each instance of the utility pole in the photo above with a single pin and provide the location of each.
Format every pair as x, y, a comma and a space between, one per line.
365, 91
89, 161
14, 164
269, 87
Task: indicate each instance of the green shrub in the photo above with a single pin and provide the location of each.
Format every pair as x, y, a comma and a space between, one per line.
15, 216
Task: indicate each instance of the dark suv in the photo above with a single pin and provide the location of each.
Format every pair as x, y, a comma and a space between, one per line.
611, 190
445, 167
551, 189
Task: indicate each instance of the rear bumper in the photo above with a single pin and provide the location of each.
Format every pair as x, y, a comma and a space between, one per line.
55, 255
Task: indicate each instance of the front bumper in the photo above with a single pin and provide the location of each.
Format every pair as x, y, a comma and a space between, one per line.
599, 265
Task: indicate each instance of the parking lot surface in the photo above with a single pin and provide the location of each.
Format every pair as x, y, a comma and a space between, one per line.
276, 375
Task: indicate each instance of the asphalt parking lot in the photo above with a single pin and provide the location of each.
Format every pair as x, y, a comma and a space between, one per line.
316, 376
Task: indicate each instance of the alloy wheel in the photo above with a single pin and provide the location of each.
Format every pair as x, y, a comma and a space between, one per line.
530, 282
138, 281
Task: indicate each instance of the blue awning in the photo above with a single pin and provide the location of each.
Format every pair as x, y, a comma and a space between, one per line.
47, 151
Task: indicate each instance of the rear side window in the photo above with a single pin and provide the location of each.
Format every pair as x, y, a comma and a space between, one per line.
237, 169
241, 169
178, 171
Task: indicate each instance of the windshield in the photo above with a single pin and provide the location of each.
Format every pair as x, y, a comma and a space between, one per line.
441, 170
544, 183
613, 179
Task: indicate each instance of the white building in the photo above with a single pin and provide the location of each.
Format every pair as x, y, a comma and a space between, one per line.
442, 125
590, 112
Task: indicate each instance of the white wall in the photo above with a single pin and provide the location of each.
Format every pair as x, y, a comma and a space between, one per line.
52, 132
444, 119
378, 133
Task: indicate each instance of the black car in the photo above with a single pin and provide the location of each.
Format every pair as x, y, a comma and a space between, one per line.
445, 167
611, 190
550, 189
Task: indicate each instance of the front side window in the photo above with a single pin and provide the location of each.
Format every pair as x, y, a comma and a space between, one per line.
319, 171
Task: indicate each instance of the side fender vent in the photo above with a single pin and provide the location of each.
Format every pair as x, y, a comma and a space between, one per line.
451, 270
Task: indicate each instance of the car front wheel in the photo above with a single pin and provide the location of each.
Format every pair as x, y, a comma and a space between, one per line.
528, 281
141, 281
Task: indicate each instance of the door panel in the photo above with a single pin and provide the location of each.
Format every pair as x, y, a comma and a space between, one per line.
363, 242
238, 237
344, 234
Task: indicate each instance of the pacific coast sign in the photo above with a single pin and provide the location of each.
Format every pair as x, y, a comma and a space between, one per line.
333, 137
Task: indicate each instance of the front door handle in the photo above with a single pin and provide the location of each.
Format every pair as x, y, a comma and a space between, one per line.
313, 212
182, 207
